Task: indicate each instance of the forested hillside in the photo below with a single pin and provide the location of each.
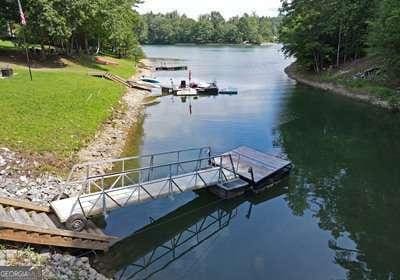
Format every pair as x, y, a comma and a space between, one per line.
329, 33
73, 26
174, 28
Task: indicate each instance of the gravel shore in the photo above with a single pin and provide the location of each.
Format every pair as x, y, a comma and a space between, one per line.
52, 265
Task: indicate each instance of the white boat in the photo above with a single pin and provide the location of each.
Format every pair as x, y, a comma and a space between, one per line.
156, 88
149, 80
186, 92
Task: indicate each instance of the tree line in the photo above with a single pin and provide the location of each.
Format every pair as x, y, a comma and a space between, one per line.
327, 33
74, 26
171, 28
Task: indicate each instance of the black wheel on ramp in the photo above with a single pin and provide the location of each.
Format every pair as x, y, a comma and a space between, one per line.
76, 222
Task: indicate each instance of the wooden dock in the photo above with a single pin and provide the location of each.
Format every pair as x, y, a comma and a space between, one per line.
256, 167
120, 80
26, 222
171, 68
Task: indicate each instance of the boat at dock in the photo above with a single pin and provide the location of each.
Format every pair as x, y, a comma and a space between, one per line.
149, 80
186, 92
151, 83
206, 88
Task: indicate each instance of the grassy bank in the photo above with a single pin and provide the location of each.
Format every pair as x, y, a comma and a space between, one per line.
61, 109
377, 88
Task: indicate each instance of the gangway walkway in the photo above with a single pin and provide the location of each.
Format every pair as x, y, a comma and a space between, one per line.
133, 180
178, 172
137, 185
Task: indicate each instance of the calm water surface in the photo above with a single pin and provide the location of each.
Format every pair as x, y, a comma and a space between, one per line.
336, 216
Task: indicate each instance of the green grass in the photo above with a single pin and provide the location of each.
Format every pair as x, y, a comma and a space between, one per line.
124, 68
4, 44
60, 110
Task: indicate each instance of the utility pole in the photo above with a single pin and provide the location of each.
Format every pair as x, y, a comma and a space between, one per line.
23, 22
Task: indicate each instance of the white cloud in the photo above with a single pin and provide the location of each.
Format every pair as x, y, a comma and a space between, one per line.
228, 8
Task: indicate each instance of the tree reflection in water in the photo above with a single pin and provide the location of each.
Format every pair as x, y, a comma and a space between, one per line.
347, 174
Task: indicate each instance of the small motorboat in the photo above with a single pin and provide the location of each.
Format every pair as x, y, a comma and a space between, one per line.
148, 80
153, 84
228, 91
207, 89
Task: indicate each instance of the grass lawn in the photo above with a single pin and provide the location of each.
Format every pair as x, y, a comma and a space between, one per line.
61, 109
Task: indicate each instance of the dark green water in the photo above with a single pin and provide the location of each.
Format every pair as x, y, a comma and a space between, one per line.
336, 216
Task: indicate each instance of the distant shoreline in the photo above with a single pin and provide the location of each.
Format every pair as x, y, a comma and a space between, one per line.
214, 44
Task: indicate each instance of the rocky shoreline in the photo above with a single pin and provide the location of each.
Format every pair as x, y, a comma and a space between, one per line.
52, 265
337, 89
17, 181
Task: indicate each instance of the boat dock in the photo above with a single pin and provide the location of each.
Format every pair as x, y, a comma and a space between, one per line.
66, 222
257, 167
171, 68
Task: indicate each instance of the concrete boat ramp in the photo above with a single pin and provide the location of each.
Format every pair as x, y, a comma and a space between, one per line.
164, 174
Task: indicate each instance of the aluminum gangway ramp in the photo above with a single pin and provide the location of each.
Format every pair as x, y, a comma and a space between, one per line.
127, 186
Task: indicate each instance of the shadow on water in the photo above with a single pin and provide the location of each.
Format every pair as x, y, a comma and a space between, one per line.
346, 159
155, 246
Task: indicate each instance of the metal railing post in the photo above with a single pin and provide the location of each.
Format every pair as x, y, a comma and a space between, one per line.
123, 173
233, 165
177, 166
220, 169
250, 170
151, 167
170, 178
238, 162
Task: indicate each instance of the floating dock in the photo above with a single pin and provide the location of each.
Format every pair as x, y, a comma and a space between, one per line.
66, 222
256, 167
171, 68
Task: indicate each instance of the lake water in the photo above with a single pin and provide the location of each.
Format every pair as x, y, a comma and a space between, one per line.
335, 217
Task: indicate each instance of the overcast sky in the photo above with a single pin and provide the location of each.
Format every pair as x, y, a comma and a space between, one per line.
228, 8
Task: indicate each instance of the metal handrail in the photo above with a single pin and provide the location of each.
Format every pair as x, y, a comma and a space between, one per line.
135, 170
89, 164
171, 179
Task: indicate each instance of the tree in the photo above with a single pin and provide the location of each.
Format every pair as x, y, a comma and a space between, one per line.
173, 28
384, 37
76, 25
46, 23
325, 33
204, 30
